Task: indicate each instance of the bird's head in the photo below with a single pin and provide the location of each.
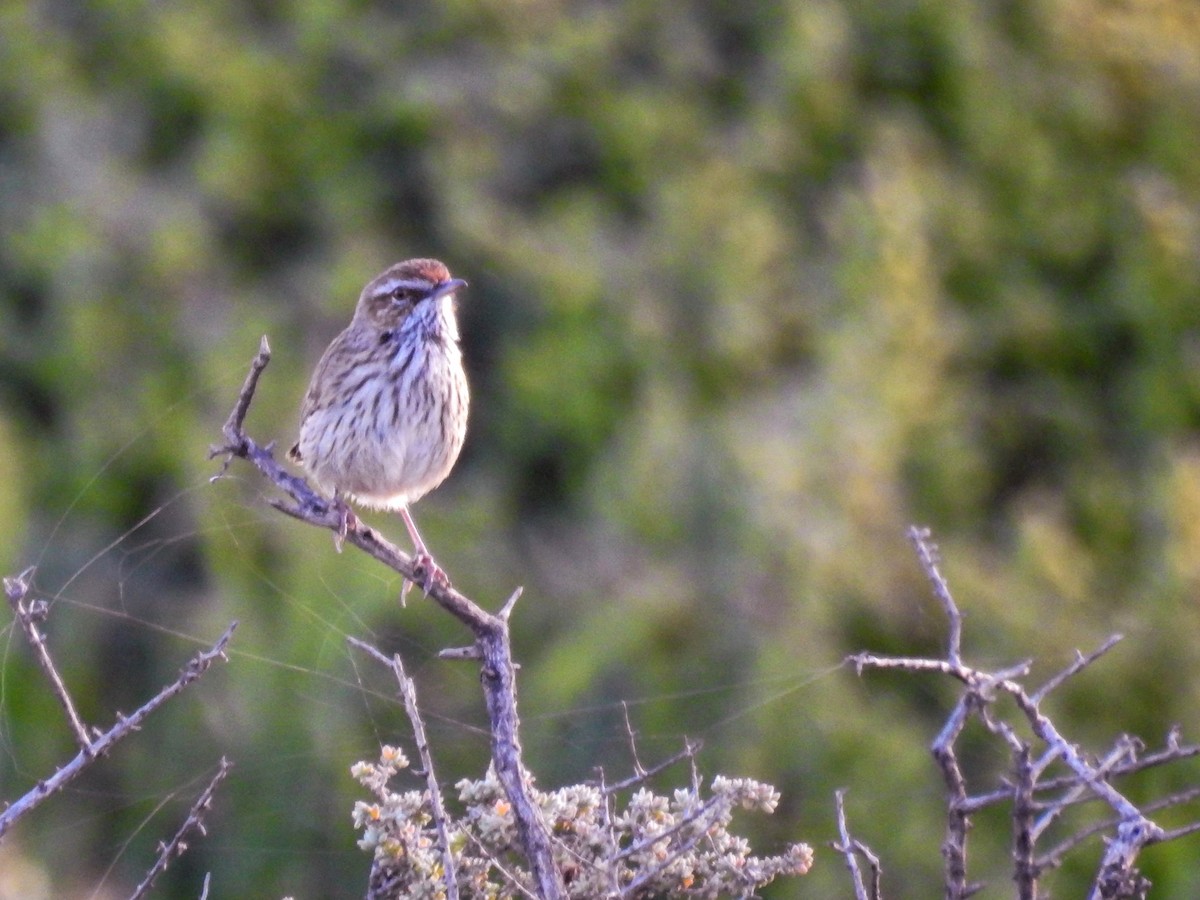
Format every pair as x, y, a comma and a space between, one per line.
414, 293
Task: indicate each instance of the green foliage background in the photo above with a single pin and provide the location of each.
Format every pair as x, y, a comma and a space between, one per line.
753, 287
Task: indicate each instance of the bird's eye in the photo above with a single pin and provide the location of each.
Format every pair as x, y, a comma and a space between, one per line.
403, 295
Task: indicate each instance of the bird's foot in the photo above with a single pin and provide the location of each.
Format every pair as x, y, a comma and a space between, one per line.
347, 522
428, 573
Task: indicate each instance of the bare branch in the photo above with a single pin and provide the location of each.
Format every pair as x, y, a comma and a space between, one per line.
637, 763
1081, 662
876, 890
1088, 779
177, 846
846, 847
1054, 857
954, 847
610, 838
1150, 760
1049, 733
689, 751
17, 589
233, 429
408, 693
472, 652
927, 554
1173, 833
1124, 749
490, 631
1117, 877
507, 608
1025, 872
125, 725
863, 661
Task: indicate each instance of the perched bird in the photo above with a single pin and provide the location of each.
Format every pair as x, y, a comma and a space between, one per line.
385, 416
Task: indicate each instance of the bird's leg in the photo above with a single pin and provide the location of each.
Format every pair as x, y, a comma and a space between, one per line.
346, 520
422, 560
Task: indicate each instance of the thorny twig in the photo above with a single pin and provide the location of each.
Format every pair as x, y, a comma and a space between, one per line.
177, 846
1123, 749
1078, 665
104, 742
928, 556
490, 630
29, 614
1133, 830
1174, 751
849, 847
689, 751
1054, 857
954, 847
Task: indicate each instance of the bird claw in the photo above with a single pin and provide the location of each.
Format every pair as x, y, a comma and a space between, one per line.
428, 573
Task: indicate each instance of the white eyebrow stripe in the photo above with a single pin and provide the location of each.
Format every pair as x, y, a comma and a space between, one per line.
412, 285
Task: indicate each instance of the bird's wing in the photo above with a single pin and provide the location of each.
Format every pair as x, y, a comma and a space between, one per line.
326, 378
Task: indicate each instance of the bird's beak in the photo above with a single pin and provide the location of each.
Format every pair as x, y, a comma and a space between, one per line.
447, 287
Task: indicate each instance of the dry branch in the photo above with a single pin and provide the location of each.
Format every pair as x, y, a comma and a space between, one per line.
489, 630
1036, 802
177, 846
29, 614
689, 751
850, 849
408, 692
105, 741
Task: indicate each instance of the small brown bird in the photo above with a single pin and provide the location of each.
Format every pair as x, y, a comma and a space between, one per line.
385, 416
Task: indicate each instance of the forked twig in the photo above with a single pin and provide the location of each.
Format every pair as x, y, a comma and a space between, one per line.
954, 847
850, 849
176, 846
17, 589
689, 751
125, 725
876, 888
